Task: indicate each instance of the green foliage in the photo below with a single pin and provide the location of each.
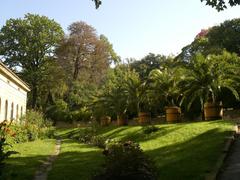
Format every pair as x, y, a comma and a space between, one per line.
225, 36
122, 93
150, 129
165, 85
114, 99
144, 66
4, 131
18, 134
220, 5
58, 111
34, 125
28, 44
214, 40
97, 3
205, 78
89, 135
112, 55
125, 160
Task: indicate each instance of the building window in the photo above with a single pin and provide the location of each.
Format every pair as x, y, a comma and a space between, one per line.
6, 109
0, 105
12, 109
21, 111
17, 112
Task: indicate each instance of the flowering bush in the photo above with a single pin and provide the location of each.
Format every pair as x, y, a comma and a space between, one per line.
36, 125
32, 126
4, 131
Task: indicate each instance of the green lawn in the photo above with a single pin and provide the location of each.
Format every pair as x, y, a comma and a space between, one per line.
23, 166
180, 151
76, 161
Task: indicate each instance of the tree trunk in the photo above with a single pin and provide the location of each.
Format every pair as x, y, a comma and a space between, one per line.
34, 95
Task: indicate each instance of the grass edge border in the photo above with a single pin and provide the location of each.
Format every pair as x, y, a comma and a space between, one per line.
220, 161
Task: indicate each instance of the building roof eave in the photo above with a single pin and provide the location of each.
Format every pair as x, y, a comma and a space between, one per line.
11, 75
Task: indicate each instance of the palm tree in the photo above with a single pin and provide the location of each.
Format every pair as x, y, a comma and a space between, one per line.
164, 86
205, 78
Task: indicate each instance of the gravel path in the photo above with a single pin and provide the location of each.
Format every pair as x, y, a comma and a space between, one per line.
42, 172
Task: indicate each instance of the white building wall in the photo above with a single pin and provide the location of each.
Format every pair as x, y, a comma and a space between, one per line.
13, 94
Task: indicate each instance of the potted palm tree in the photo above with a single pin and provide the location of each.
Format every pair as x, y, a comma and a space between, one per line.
143, 106
164, 85
139, 98
119, 93
205, 78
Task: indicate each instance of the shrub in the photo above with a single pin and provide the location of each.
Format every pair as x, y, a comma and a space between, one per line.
58, 111
20, 134
150, 129
4, 131
125, 160
79, 115
98, 141
89, 136
32, 126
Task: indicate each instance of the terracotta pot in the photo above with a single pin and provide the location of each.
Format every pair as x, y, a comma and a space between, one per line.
105, 120
213, 111
144, 118
121, 121
173, 114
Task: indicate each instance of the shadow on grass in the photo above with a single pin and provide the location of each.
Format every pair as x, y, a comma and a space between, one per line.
22, 168
191, 159
124, 133
136, 133
78, 162
68, 134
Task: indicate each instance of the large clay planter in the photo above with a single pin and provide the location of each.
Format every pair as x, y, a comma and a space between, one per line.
121, 120
173, 114
213, 111
144, 118
105, 120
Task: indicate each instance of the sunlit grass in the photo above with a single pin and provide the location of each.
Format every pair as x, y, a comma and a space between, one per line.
22, 166
76, 161
180, 151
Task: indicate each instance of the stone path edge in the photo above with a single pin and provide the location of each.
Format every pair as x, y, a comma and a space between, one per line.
46, 166
217, 167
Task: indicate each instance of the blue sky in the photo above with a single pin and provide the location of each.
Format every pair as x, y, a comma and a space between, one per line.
134, 27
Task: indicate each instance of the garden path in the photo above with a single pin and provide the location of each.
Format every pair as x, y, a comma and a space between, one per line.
231, 167
46, 166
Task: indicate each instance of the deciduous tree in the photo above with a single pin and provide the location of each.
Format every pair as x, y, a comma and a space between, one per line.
26, 44
84, 55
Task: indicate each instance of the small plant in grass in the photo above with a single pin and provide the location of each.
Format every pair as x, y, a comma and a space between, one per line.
125, 160
150, 129
98, 141
88, 136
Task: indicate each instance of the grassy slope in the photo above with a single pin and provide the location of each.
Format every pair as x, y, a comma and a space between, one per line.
23, 166
76, 161
181, 151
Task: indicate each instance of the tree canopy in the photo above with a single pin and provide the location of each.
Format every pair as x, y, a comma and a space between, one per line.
214, 40
217, 4
27, 44
221, 4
